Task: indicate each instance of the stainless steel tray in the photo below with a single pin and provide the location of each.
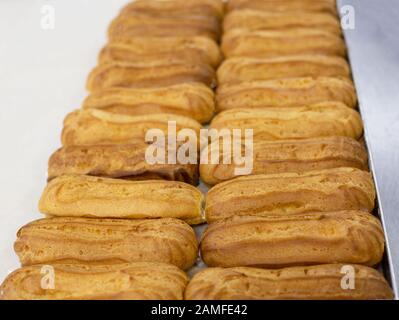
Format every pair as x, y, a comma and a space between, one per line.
374, 59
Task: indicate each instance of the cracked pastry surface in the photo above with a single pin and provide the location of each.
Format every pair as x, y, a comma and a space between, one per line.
272, 43
196, 50
253, 20
287, 92
146, 74
318, 120
245, 69
176, 8
106, 241
286, 156
291, 193
130, 281
94, 126
310, 282
86, 196
136, 24
194, 100
276, 241
328, 6
122, 161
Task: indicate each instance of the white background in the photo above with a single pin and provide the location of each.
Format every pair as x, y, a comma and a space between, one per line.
42, 78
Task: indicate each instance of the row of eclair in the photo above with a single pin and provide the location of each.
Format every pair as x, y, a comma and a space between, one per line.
284, 232
286, 77
158, 66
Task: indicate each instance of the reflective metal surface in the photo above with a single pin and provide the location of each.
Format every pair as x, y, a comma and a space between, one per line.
374, 55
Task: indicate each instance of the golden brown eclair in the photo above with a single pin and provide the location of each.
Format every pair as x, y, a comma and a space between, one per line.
130, 281
319, 120
271, 157
284, 5
286, 92
272, 43
194, 100
93, 126
86, 196
321, 282
253, 20
148, 74
291, 193
195, 50
106, 241
123, 161
136, 24
294, 240
243, 69
176, 8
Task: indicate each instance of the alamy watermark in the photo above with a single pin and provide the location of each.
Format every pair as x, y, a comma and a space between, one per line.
47, 281
348, 21
348, 278
47, 19
183, 147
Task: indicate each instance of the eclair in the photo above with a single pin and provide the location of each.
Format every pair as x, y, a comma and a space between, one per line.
245, 69
122, 161
86, 196
136, 24
320, 282
275, 43
176, 8
294, 240
126, 281
194, 100
284, 194
93, 126
286, 92
194, 50
318, 120
254, 20
148, 74
281, 156
298, 6
106, 241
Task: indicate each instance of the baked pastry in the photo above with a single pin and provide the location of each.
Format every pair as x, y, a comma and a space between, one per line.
130, 281
253, 20
195, 50
243, 69
106, 241
123, 161
275, 43
318, 120
194, 100
138, 24
294, 240
176, 8
86, 196
148, 74
285, 156
284, 5
321, 282
93, 126
285, 93
290, 193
